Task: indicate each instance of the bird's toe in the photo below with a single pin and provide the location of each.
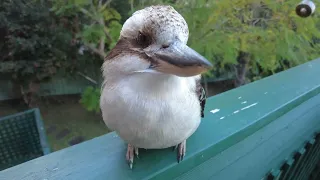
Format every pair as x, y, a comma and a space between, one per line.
181, 151
131, 151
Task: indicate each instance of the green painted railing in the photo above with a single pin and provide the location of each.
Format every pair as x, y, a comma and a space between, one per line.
248, 133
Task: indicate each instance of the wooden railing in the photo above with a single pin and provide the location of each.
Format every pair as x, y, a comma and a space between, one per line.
247, 133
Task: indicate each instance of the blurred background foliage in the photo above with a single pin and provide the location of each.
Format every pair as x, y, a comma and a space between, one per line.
244, 39
248, 38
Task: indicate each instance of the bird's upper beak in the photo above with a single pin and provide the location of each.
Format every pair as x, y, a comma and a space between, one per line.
180, 60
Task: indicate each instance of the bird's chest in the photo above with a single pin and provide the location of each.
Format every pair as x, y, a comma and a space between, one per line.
152, 115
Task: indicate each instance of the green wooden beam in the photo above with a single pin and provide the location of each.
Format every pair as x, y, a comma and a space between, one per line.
246, 133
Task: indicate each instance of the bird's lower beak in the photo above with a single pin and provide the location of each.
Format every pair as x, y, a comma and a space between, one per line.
180, 60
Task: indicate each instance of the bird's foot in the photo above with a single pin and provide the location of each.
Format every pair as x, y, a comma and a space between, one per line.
181, 150
131, 151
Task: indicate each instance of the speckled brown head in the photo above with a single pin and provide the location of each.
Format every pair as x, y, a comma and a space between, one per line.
156, 36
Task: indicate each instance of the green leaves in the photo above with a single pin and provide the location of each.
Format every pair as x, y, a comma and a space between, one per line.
90, 99
98, 23
271, 32
33, 41
92, 34
110, 14
98, 27
114, 31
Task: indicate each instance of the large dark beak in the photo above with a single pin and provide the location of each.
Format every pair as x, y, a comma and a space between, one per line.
180, 60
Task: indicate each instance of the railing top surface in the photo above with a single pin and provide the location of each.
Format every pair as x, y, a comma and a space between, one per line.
229, 118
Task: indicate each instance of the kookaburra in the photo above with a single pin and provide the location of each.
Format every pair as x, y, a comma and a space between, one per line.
151, 93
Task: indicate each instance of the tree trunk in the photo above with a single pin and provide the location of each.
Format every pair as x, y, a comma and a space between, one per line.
244, 57
241, 69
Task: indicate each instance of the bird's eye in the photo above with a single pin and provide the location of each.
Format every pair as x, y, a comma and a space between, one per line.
143, 40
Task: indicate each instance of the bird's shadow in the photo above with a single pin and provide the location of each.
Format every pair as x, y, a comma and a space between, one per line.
155, 159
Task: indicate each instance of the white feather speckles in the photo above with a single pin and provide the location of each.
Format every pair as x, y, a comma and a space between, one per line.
163, 22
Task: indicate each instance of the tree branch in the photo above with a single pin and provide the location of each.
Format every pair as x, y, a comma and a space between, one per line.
86, 12
107, 34
103, 7
100, 21
101, 49
88, 78
102, 54
102, 43
131, 5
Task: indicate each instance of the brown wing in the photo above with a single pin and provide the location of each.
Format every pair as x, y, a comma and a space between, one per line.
202, 96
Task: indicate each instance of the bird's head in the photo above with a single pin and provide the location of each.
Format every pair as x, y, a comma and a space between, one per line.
153, 40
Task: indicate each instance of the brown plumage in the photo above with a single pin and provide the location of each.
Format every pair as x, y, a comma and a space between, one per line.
202, 96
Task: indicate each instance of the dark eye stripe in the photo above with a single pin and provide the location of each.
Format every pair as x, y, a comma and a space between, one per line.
143, 40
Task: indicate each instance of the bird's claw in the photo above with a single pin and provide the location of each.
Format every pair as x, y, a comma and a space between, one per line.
181, 151
134, 151
131, 151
